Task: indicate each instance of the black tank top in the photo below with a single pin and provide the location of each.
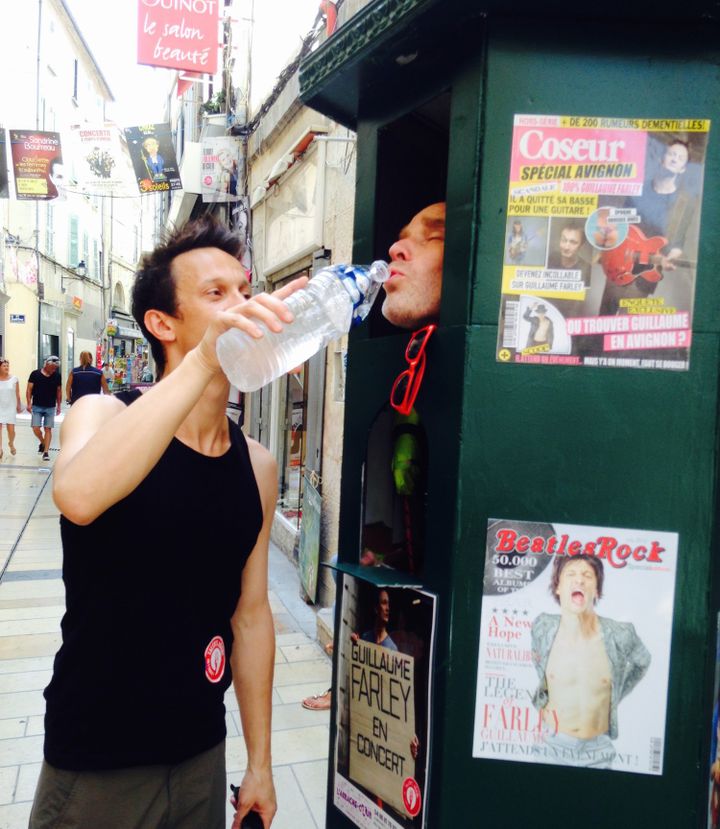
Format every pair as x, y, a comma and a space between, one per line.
151, 585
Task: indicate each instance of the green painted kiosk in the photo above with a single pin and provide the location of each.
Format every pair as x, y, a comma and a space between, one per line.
526, 620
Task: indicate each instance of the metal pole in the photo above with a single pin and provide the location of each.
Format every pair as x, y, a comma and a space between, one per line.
40, 286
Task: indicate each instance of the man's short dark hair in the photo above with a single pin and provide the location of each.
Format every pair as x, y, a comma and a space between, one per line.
154, 287
561, 563
573, 224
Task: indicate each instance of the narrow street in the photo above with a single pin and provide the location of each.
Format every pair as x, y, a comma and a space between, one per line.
31, 607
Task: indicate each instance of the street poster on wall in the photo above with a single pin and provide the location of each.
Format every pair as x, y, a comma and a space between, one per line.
221, 160
100, 163
574, 653
4, 192
153, 156
37, 165
183, 36
383, 705
309, 555
601, 242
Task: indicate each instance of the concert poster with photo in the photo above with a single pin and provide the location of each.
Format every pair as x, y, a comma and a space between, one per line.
100, 163
601, 241
574, 654
383, 702
37, 165
153, 156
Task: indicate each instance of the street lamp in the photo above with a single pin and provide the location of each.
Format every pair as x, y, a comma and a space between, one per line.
79, 272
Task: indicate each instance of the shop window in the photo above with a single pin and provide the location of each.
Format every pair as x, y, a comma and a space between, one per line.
293, 460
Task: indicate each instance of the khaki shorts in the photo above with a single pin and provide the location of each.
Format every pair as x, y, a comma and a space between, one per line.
190, 795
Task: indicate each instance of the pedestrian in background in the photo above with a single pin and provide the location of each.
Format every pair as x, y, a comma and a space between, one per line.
108, 373
44, 398
85, 379
9, 404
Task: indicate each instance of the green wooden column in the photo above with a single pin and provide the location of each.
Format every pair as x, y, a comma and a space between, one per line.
606, 447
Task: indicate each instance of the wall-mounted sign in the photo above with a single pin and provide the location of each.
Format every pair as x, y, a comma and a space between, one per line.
153, 157
601, 241
575, 635
181, 36
100, 163
221, 160
4, 193
37, 164
18, 318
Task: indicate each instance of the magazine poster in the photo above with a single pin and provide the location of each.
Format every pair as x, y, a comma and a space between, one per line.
574, 654
100, 162
221, 165
713, 819
153, 156
384, 674
601, 241
4, 192
37, 165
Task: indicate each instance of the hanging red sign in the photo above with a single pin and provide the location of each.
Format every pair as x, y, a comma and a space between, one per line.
179, 34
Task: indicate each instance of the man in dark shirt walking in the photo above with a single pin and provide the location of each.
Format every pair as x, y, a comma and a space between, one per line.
44, 397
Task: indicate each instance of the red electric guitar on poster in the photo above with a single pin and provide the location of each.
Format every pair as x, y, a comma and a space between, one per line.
637, 249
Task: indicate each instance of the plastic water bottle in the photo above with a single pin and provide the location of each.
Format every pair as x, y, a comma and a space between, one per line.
336, 298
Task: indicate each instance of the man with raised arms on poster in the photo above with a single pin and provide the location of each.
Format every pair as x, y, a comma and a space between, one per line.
587, 664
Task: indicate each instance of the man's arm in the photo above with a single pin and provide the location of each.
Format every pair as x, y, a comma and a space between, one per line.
58, 396
28, 395
90, 475
104, 385
68, 387
253, 655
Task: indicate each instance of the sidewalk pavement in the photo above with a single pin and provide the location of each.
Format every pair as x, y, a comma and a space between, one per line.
32, 604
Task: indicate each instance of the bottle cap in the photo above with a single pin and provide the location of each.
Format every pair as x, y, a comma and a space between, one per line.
363, 285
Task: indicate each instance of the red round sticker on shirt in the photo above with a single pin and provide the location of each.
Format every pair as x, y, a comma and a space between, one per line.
215, 659
411, 796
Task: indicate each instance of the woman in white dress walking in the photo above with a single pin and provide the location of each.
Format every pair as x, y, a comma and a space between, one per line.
9, 404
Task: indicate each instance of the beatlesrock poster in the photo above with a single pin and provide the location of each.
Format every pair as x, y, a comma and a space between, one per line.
382, 705
574, 651
601, 241
153, 157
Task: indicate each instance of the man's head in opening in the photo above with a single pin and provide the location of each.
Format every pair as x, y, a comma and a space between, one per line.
184, 282
570, 242
413, 291
577, 582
